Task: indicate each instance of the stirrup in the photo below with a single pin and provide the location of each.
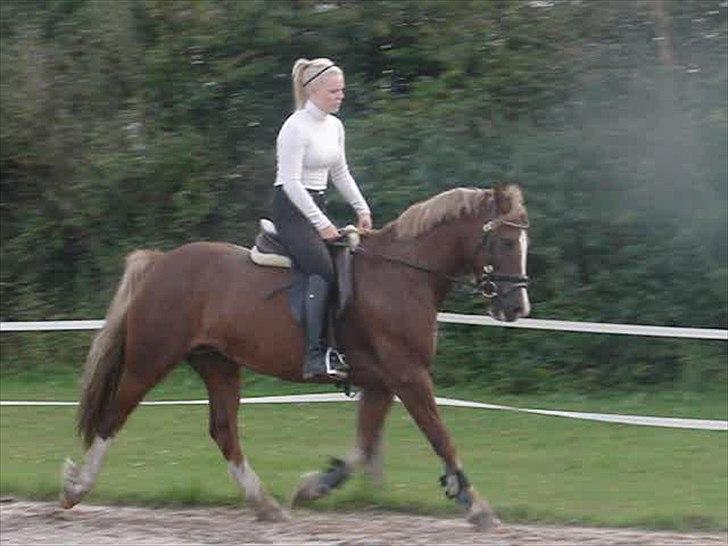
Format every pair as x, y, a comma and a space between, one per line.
336, 365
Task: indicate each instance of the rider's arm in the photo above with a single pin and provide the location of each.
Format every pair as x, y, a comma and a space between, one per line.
344, 182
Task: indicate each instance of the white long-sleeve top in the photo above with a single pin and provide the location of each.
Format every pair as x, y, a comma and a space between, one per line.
310, 146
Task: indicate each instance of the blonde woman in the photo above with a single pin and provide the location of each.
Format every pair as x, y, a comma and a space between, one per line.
310, 149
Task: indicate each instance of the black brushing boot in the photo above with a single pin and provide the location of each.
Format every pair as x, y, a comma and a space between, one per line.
320, 359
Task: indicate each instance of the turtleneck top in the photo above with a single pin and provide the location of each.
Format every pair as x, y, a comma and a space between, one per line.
310, 146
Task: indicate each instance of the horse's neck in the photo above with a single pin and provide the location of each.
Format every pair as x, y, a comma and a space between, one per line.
439, 250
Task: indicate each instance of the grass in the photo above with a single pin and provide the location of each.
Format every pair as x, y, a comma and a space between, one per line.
183, 383
532, 468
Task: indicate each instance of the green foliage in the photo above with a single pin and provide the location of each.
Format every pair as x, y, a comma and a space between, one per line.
149, 123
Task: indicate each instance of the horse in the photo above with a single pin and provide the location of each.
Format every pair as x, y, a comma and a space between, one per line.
208, 304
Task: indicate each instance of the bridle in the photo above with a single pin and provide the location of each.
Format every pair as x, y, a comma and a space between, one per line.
486, 283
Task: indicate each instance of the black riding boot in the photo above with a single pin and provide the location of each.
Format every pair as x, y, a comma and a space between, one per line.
320, 359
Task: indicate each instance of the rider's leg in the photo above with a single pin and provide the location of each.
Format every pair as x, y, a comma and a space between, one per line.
318, 358
311, 256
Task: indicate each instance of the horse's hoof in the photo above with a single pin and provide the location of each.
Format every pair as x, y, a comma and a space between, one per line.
484, 520
66, 502
310, 489
71, 491
269, 510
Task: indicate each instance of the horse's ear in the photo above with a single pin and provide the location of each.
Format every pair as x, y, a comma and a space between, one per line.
503, 200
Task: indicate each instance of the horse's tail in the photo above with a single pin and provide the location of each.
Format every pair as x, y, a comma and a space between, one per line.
104, 361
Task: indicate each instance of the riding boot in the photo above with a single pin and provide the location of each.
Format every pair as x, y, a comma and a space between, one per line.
320, 359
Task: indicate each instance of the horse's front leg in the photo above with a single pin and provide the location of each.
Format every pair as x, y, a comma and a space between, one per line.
416, 391
374, 405
373, 410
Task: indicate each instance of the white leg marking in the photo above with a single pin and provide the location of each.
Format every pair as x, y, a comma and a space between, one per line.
77, 482
354, 458
247, 480
523, 244
92, 465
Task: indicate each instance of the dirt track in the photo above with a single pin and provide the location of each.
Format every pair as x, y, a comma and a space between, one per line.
26, 523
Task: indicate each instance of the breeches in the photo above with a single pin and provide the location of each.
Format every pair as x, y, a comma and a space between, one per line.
302, 241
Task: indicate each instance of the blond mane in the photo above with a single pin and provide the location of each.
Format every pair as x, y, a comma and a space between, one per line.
512, 195
441, 208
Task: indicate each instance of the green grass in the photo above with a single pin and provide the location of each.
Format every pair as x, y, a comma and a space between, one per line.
184, 383
531, 468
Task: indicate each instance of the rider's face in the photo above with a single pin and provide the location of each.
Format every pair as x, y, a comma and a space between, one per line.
329, 93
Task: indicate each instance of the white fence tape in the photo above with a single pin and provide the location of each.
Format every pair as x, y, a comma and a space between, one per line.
51, 325
591, 327
480, 320
668, 422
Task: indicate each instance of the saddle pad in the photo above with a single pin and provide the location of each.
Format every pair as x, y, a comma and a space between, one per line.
269, 259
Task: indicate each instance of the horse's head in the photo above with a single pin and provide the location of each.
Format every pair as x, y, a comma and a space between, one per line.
500, 255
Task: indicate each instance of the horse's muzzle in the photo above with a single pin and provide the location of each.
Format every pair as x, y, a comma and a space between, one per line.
510, 304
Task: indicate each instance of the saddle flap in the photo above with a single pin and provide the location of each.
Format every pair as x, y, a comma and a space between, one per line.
344, 266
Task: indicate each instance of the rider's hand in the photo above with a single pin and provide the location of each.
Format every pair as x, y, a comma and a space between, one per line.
365, 221
329, 233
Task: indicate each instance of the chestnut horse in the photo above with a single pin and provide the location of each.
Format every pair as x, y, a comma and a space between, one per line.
206, 303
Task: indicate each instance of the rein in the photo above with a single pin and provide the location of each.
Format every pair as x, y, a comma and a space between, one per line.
399, 261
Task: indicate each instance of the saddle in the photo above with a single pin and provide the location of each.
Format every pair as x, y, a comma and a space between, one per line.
269, 251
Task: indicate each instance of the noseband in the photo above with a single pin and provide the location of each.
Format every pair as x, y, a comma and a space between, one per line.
486, 283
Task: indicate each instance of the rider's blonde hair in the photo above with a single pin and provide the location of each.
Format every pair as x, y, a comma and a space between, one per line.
305, 70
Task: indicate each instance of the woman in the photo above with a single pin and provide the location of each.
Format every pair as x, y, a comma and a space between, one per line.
310, 147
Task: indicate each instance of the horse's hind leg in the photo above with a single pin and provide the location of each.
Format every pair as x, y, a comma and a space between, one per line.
374, 406
222, 379
78, 481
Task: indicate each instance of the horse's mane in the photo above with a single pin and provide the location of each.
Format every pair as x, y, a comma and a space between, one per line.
441, 208
450, 205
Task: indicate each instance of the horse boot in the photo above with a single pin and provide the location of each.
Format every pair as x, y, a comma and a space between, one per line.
320, 359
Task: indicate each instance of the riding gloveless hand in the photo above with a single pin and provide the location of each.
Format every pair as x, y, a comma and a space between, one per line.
329, 233
364, 221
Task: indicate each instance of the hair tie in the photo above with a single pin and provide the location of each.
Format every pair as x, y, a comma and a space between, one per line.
317, 74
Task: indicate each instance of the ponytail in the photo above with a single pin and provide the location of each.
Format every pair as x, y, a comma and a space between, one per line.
305, 75
299, 93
